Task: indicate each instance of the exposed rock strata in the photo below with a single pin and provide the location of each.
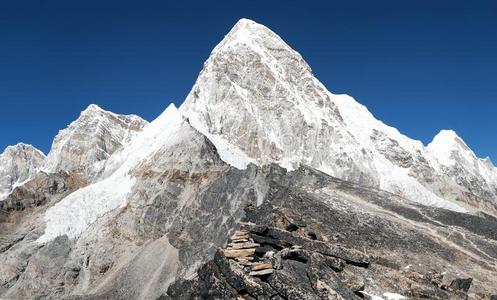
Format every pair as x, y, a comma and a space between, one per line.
329, 239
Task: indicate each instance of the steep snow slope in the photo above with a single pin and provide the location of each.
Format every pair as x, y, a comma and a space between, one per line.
257, 100
87, 142
76, 212
18, 164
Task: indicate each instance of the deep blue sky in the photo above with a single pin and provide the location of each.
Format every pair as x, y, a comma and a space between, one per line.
420, 66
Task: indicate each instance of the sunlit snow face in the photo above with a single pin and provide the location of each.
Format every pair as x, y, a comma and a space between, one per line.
257, 100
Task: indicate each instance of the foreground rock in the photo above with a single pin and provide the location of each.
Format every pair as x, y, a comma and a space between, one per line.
322, 243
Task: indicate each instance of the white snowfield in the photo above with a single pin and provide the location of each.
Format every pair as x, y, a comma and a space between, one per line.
386, 296
258, 102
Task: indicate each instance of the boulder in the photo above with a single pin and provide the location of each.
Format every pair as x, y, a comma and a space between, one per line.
461, 284
239, 253
261, 272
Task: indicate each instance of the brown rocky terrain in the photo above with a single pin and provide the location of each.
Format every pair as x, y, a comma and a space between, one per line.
329, 239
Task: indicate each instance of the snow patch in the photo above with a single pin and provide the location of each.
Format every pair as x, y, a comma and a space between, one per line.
77, 211
393, 296
386, 296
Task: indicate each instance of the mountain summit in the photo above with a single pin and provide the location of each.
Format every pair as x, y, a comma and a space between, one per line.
258, 101
85, 145
18, 164
261, 185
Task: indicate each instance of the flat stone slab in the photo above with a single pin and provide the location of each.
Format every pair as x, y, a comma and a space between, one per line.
261, 266
239, 237
244, 258
246, 245
239, 253
262, 272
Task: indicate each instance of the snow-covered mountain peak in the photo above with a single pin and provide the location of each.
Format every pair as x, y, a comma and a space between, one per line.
449, 138
88, 141
245, 32
93, 111
21, 147
93, 108
449, 148
253, 39
257, 100
246, 22
18, 163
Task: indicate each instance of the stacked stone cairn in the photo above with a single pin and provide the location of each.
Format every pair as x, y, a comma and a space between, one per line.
241, 248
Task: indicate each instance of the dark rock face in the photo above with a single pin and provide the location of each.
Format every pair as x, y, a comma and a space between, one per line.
461, 284
42, 188
328, 246
391, 149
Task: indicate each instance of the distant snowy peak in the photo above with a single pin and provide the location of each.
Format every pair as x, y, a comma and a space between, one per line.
76, 212
18, 164
478, 175
21, 149
87, 142
446, 144
130, 121
451, 151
